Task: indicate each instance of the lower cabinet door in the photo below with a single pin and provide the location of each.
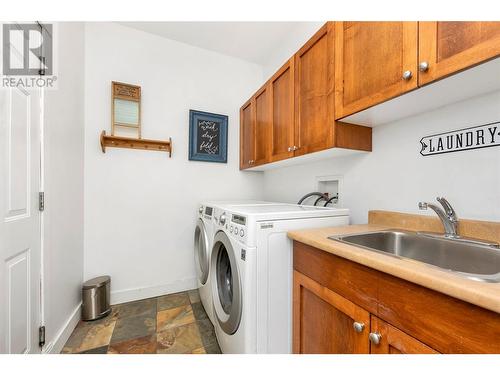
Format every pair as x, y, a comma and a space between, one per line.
386, 339
325, 322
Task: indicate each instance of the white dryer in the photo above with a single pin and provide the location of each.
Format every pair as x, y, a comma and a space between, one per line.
203, 241
251, 273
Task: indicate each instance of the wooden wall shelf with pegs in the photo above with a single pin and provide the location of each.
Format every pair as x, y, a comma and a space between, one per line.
142, 144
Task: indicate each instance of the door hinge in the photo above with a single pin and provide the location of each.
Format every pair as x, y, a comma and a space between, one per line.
41, 201
41, 336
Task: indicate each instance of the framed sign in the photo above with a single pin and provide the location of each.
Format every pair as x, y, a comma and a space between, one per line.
207, 137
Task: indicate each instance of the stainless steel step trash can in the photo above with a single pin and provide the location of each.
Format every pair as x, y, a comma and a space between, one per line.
95, 298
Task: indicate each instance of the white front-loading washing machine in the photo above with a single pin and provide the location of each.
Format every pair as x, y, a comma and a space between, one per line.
251, 273
203, 243
233, 274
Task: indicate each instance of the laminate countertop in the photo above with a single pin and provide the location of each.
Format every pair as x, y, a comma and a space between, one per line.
486, 295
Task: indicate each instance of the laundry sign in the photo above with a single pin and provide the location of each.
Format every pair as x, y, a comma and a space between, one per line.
481, 136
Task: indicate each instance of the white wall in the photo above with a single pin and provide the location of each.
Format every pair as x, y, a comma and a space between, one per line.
140, 207
63, 215
396, 177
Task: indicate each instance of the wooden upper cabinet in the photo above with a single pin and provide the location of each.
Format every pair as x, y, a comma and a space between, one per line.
395, 341
449, 47
263, 115
247, 134
371, 59
281, 89
314, 93
323, 321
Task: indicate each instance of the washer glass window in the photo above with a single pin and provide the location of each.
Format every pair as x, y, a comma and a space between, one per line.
226, 284
200, 248
224, 279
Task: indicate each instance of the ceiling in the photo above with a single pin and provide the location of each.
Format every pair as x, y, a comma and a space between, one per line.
250, 41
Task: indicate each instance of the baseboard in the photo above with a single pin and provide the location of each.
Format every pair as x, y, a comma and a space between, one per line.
55, 346
127, 295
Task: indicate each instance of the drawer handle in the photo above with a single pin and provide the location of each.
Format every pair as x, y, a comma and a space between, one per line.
375, 337
358, 327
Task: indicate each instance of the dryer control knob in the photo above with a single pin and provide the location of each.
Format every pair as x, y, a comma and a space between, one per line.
236, 230
200, 210
242, 232
222, 219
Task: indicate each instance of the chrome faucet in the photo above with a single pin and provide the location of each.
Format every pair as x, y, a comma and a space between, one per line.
447, 215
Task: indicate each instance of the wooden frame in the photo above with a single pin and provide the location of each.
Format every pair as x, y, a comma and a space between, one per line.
125, 91
208, 136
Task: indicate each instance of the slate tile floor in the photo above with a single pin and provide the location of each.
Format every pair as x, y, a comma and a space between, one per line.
175, 324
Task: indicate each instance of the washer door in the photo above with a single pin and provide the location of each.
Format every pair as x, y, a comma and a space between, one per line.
201, 251
226, 285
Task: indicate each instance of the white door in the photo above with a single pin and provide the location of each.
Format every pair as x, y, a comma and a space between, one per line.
20, 262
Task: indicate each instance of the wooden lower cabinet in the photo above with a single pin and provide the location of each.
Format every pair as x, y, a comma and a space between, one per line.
327, 323
324, 321
395, 341
333, 298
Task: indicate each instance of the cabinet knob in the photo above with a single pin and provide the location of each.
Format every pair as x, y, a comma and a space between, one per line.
375, 337
290, 149
407, 75
251, 161
295, 148
358, 327
423, 66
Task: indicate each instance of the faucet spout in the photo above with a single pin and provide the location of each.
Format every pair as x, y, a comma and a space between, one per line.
447, 216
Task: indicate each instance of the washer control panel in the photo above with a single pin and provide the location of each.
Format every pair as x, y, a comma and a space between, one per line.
205, 212
238, 226
235, 225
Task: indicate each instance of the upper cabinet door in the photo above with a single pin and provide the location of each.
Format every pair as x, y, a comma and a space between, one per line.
374, 61
282, 91
448, 47
314, 93
247, 134
263, 115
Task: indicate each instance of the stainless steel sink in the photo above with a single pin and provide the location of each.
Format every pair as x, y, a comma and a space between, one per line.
468, 258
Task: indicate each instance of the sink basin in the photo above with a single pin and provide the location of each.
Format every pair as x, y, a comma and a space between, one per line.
469, 259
